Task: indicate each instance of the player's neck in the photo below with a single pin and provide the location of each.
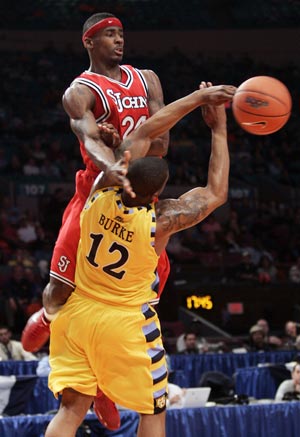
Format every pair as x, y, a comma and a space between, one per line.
111, 71
136, 201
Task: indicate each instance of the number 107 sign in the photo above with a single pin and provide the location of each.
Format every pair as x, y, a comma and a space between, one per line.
33, 189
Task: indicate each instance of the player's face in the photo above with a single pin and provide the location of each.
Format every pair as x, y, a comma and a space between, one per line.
108, 44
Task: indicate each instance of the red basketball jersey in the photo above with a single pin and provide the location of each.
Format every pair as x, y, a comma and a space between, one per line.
123, 104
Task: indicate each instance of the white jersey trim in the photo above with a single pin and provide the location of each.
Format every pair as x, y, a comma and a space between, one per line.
153, 302
100, 93
62, 279
127, 84
143, 80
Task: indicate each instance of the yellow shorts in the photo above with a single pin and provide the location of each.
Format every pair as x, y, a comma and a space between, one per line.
118, 349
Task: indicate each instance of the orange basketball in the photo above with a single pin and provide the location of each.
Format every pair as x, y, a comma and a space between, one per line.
262, 105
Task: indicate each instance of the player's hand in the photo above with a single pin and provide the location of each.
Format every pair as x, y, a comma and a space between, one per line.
214, 116
109, 135
116, 174
216, 95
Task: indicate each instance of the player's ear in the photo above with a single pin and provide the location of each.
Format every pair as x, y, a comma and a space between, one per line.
88, 43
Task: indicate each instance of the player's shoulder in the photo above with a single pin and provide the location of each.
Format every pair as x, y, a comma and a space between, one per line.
75, 94
144, 71
151, 78
148, 72
73, 89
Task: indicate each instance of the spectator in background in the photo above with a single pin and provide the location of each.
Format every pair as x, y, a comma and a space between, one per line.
21, 257
290, 335
190, 344
257, 340
246, 270
211, 225
19, 294
294, 272
12, 349
8, 231
50, 170
177, 251
267, 272
290, 388
43, 367
269, 339
15, 166
54, 206
195, 329
175, 396
230, 243
30, 168
27, 231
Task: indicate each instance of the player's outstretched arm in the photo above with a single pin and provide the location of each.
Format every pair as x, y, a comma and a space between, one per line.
139, 141
174, 215
78, 102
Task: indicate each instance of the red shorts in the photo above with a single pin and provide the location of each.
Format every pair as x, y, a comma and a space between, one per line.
63, 260
163, 270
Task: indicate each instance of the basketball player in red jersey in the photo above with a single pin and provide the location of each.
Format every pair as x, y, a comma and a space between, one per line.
107, 93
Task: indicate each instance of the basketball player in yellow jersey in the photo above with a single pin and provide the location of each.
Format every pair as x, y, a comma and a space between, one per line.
108, 333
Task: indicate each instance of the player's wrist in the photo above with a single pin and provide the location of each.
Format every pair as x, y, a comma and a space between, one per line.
48, 317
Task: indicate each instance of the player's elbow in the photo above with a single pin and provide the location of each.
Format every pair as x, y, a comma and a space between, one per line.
221, 195
159, 147
164, 147
223, 199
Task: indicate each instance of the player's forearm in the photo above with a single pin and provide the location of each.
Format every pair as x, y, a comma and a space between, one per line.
139, 141
101, 155
89, 134
218, 172
163, 120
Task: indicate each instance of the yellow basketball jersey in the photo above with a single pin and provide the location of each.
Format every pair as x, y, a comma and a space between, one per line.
116, 259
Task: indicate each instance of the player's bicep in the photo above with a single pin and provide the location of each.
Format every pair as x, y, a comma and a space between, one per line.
155, 92
174, 215
160, 145
77, 100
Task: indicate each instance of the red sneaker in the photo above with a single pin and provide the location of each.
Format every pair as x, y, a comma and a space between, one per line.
36, 332
106, 411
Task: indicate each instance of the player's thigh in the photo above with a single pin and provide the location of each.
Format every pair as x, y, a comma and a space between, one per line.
129, 359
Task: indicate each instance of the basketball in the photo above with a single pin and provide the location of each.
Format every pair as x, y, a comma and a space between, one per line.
262, 105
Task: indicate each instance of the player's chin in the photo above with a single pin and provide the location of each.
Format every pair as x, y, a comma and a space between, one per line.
117, 56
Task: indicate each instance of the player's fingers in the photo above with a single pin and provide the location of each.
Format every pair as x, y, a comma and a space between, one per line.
127, 156
230, 90
103, 128
128, 188
106, 127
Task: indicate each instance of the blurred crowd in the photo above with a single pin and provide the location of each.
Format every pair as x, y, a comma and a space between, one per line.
154, 14
259, 338
257, 239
